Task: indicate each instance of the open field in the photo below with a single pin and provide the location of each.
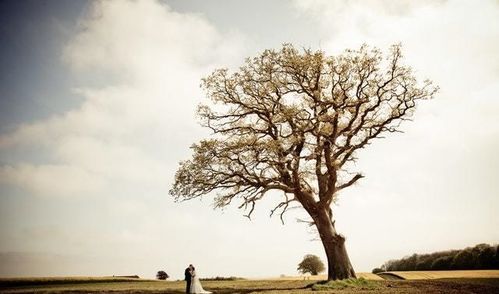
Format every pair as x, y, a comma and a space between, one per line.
473, 284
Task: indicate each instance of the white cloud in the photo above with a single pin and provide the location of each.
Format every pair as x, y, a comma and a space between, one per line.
110, 161
154, 59
52, 180
442, 39
101, 186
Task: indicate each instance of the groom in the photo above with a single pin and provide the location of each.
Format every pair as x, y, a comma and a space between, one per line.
188, 277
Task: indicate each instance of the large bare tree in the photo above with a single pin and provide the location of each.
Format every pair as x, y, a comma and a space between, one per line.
292, 120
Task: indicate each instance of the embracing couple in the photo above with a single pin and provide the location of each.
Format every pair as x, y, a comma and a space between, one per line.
193, 283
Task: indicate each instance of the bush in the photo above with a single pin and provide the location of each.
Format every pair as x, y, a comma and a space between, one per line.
162, 275
377, 270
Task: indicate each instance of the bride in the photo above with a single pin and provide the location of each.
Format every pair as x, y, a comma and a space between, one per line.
196, 284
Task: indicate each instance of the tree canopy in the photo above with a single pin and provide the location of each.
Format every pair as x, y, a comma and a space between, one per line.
162, 275
292, 121
311, 264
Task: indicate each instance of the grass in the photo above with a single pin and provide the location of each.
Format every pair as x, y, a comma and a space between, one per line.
359, 283
143, 286
367, 276
275, 286
13, 282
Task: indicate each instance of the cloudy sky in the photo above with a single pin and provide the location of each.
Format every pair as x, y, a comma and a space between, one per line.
97, 104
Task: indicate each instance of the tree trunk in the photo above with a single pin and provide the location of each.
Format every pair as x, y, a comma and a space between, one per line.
339, 266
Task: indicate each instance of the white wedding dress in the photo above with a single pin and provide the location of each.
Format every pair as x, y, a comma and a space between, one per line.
196, 285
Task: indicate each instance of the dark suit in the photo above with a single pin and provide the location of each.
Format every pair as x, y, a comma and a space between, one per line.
187, 278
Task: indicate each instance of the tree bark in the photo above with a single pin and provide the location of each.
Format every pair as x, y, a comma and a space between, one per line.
339, 266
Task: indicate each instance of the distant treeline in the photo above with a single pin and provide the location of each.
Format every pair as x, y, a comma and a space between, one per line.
482, 256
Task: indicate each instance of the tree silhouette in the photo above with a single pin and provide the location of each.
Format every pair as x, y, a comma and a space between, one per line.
162, 275
311, 264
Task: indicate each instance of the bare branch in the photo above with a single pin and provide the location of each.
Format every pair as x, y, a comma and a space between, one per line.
291, 121
350, 182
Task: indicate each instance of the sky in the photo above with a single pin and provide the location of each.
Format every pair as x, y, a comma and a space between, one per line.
97, 107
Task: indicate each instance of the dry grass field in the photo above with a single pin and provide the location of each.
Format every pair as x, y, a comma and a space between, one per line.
426, 275
476, 282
